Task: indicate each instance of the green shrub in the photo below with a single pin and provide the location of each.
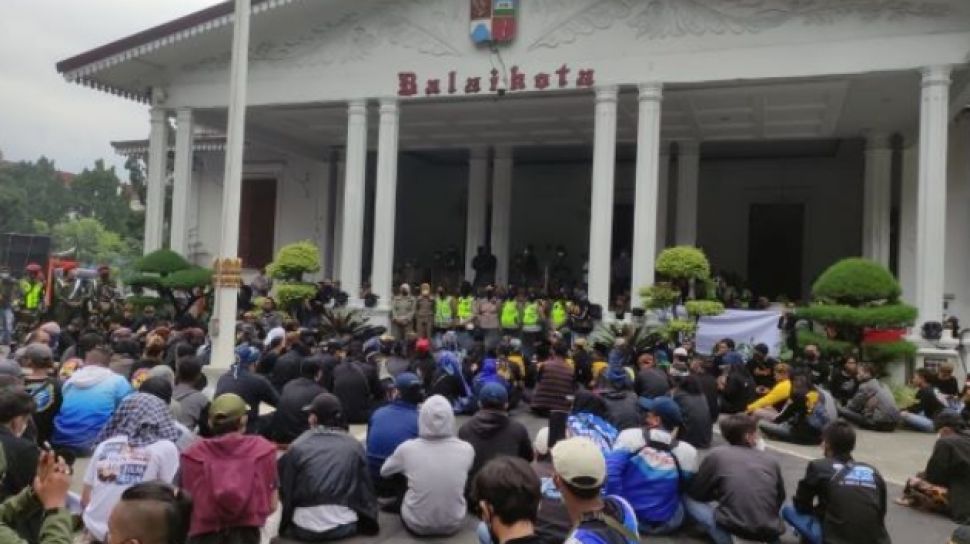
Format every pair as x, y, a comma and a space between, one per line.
294, 260
162, 261
827, 346
884, 352
855, 281
701, 308
886, 317
683, 262
291, 294
675, 328
659, 295
139, 302
904, 395
189, 278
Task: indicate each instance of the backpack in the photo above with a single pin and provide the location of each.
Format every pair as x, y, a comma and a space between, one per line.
600, 528
824, 412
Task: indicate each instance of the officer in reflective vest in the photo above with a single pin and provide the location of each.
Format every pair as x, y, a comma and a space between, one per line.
509, 316
558, 315
465, 309
444, 311
530, 316
32, 288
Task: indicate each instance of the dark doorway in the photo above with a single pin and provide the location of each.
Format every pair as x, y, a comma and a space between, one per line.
257, 222
775, 244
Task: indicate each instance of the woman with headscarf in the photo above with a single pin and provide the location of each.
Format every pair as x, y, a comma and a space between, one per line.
137, 445
450, 383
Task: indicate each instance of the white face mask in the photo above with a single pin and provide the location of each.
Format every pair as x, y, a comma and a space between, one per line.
760, 444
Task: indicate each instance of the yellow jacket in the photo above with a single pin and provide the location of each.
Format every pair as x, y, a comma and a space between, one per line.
780, 393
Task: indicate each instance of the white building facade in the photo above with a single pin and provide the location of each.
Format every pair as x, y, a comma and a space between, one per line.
778, 135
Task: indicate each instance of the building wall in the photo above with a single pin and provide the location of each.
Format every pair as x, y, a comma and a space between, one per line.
829, 187
957, 277
431, 205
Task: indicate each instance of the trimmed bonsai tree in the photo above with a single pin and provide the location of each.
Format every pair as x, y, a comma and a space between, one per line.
178, 284
291, 263
683, 273
856, 301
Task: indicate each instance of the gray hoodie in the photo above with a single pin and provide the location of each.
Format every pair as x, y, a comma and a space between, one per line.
436, 465
875, 401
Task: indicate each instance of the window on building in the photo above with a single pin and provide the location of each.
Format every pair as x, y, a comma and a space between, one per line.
257, 222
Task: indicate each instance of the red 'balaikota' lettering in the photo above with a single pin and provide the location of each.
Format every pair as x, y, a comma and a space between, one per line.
473, 85
562, 72
518, 80
452, 87
493, 81
541, 81
433, 87
407, 84
585, 78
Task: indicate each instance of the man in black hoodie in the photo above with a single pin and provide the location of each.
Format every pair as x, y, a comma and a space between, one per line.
944, 486
491, 432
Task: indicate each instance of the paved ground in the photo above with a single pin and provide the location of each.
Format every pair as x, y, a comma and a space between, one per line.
897, 455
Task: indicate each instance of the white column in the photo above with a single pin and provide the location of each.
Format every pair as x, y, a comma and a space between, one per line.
155, 183
877, 198
385, 202
908, 197
931, 201
601, 205
663, 197
223, 330
645, 205
182, 181
351, 248
688, 166
501, 212
476, 220
338, 219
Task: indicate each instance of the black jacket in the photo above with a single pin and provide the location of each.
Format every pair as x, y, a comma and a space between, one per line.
738, 392
621, 409
949, 466
327, 466
352, 383
289, 420
253, 388
698, 428
287, 368
842, 386
21, 456
651, 382
851, 504
491, 434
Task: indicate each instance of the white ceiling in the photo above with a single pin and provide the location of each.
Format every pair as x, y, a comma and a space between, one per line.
844, 107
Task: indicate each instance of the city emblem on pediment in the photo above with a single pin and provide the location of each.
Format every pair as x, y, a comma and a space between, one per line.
493, 21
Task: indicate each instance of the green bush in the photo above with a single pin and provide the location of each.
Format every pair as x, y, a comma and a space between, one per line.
856, 281
163, 261
294, 260
884, 352
885, 317
659, 295
291, 294
189, 278
701, 308
827, 346
683, 262
904, 395
139, 302
674, 328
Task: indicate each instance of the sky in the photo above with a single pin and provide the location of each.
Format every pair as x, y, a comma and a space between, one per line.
41, 114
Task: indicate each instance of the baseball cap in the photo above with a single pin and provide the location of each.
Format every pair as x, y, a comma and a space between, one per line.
665, 408
961, 535
681, 352
327, 408
246, 355
228, 406
679, 370
493, 394
579, 462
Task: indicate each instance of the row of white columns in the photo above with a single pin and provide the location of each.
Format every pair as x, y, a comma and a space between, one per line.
157, 175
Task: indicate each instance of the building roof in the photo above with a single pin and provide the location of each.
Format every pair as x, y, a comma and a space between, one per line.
80, 68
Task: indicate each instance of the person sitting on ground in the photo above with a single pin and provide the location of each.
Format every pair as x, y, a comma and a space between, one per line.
20, 454
587, 418
91, 395
579, 475
707, 384
762, 369
390, 426
436, 466
946, 383
768, 406
807, 412
839, 500
843, 384
650, 381
289, 420
41, 383
873, 407
325, 487
491, 431
356, 385
160, 387
231, 476
136, 445
738, 489
698, 427
193, 403
506, 494
620, 399
151, 513
242, 380
919, 416
737, 390
554, 380
944, 486
47, 496
650, 468
553, 523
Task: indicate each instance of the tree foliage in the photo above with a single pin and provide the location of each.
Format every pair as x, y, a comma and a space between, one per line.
856, 281
683, 263
176, 281
294, 260
91, 241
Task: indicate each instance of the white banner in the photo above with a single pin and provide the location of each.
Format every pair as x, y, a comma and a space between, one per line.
745, 327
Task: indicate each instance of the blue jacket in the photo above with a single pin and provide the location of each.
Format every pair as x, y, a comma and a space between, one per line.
389, 426
90, 397
649, 479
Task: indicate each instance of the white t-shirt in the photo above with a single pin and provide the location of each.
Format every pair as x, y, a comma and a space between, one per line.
632, 440
116, 466
322, 518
